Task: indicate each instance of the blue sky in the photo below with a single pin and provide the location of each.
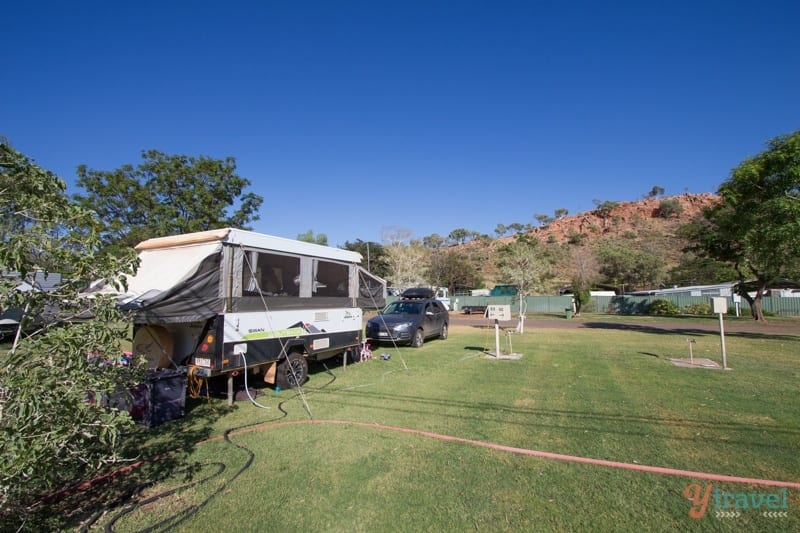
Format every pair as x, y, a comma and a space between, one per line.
353, 118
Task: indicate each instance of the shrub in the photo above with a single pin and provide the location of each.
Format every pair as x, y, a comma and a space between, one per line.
699, 308
574, 237
663, 307
669, 208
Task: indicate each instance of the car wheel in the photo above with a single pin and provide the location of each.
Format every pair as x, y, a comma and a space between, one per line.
443, 333
292, 371
418, 339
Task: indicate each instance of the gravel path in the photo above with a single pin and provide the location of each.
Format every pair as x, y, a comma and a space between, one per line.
746, 326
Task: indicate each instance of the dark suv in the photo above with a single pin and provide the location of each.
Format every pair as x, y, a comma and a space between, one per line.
410, 320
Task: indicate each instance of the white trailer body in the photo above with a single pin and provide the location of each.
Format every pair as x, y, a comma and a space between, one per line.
229, 300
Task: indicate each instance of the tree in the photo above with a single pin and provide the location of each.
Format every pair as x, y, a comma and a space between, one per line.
523, 263
407, 264
543, 219
585, 272
434, 241
309, 236
500, 230
461, 235
756, 226
374, 256
166, 195
561, 212
452, 269
50, 433
694, 270
655, 192
516, 227
626, 266
395, 235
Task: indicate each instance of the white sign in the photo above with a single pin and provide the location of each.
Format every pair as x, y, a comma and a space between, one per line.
499, 312
719, 305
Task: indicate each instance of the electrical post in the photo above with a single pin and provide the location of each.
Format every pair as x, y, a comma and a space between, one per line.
720, 306
498, 313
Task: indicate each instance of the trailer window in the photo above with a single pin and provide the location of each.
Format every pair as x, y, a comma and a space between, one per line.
271, 274
331, 279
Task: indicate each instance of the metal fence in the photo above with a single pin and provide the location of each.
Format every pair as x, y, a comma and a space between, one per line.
623, 305
640, 305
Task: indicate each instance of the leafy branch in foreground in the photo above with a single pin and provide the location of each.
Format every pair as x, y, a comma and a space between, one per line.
54, 382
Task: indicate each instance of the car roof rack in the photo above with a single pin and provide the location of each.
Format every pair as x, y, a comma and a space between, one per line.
418, 293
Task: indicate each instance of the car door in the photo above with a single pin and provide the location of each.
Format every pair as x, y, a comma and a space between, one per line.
433, 319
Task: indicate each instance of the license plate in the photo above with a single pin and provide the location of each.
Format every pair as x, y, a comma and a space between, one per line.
202, 361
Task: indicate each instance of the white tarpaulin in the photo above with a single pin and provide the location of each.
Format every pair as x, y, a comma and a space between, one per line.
164, 268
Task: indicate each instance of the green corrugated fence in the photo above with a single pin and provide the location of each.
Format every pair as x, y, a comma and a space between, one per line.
622, 305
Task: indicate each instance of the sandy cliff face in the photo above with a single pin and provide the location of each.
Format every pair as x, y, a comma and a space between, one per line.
627, 217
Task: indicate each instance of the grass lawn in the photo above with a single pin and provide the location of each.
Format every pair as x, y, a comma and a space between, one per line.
606, 394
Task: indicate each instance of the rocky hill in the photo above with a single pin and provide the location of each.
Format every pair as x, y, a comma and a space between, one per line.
627, 218
649, 224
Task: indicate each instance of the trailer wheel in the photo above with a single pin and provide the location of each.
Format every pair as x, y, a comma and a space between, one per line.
292, 371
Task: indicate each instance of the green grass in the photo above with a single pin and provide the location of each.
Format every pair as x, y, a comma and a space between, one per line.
601, 393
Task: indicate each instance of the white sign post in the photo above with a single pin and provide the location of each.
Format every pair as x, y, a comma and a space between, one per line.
498, 313
720, 306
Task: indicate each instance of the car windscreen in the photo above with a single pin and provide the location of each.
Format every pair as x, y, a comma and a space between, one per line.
403, 308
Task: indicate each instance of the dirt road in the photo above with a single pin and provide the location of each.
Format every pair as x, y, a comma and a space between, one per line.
746, 326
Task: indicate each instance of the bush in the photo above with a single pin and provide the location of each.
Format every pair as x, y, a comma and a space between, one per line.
699, 308
663, 307
669, 208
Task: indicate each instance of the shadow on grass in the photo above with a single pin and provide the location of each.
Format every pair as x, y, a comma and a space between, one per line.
580, 421
149, 456
670, 329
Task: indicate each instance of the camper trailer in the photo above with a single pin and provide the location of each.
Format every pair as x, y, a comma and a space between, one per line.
227, 301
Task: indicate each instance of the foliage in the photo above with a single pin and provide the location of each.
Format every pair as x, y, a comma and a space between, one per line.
756, 227
517, 227
585, 267
656, 191
434, 241
50, 431
309, 236
373, 255
694, 270
582, 297
407, 264
451, 269
669, 208
604, 208
699, 308
575, 237
663, 307
624, 265
461, 235
523, 263
167, 195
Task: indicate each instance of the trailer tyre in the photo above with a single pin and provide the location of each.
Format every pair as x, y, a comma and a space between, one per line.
292, 371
